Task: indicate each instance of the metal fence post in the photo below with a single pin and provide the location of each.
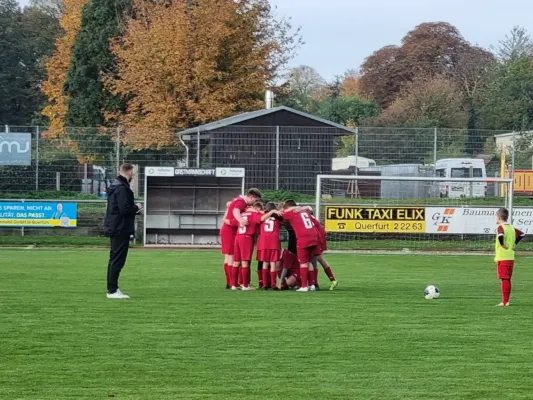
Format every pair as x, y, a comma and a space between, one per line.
435, 136
118, 150
511, 175
37, 159
513, 155
356, 139
198, 148
277, 157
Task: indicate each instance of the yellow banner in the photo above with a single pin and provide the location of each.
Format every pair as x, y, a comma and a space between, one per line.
38, 222
375, 219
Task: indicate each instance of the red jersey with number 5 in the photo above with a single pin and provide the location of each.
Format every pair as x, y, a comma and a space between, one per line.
254, 220
269, 235
306, 233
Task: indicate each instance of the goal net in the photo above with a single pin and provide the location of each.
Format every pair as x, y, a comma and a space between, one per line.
414, 213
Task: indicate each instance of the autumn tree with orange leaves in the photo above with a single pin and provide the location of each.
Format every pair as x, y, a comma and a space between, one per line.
57, 67
179, 64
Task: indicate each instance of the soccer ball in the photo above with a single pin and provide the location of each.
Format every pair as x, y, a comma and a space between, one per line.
431, 292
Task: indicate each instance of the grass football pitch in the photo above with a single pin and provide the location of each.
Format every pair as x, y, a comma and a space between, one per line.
182, 336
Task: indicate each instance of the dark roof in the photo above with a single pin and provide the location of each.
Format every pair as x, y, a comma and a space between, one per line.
236, 119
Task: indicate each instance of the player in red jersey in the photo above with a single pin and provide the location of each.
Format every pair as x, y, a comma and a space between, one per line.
307, 242
290, 275
322, 248
232, 220
244, 246
269, 246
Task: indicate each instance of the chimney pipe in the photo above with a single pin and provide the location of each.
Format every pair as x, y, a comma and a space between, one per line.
269, 99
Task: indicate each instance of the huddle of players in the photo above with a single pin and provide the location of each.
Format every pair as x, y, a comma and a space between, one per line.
246, 217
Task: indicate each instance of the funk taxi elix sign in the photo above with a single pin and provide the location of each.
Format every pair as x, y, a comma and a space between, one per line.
376, 219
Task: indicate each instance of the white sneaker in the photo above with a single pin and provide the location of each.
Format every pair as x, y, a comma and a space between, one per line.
235, 288
502, 305
312, 288
303, 289
246, 288
118, 295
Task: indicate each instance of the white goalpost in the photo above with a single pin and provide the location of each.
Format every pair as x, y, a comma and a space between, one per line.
373, 212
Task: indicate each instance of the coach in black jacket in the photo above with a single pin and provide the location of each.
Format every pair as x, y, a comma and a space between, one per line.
119, 225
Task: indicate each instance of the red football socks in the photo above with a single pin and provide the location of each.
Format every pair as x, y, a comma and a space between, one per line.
239, 280
314, 274
227, 273
245, 276
303, 276
273, 281
506, 290
234, 278
329, 273
260, 278
264, 275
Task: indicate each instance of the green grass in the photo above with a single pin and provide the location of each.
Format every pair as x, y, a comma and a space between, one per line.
427, 244
184, 337
53, 241
421, 245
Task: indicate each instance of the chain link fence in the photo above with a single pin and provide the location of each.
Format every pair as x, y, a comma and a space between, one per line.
36, 163
276, 158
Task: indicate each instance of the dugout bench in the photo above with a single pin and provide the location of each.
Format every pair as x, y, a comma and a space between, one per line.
186, 206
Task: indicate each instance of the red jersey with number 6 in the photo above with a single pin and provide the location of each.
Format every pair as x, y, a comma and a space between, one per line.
269, 235
321, 233
306, 233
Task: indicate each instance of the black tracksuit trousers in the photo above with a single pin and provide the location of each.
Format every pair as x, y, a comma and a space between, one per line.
120, 245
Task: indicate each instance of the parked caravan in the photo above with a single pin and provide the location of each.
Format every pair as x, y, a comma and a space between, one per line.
461, 168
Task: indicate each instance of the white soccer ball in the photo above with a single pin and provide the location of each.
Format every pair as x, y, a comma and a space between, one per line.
431, 292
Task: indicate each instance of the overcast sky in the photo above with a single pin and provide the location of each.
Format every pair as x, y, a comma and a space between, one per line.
339, 34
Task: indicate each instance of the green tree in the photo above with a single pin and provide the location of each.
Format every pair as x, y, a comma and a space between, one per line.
347, 110
53, 8
91, 60
303, 89
26, 37
517, 44
509, 97
425, 103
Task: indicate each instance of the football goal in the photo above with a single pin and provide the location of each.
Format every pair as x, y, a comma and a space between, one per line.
414, 213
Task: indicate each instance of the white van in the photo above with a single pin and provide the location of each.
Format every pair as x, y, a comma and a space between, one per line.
461, 168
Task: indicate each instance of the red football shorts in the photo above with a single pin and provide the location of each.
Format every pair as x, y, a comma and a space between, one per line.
306, 254
323, 244
505, 269
244, 248
320, 248
269, 255
289, 260
295, 272
227, 239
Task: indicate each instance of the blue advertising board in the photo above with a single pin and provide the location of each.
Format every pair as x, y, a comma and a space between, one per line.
38, 214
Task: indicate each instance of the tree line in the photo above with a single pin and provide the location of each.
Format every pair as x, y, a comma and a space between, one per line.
152, 67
